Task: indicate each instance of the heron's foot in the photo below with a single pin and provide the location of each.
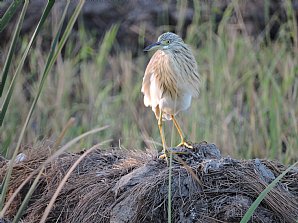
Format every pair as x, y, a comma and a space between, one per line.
174, 151
185, 144
163, 156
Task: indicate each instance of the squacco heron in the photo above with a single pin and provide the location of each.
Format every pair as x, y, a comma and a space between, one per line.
171, 80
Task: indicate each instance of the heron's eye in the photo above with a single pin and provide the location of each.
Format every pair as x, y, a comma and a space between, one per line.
166, 42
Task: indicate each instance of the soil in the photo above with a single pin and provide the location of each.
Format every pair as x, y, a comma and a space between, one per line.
125, 186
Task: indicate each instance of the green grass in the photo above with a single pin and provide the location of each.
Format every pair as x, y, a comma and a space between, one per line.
248, 103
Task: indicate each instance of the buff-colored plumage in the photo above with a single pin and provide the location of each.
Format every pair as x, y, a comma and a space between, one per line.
171, 79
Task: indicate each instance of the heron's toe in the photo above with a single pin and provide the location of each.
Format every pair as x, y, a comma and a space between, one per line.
163, 156
185, 144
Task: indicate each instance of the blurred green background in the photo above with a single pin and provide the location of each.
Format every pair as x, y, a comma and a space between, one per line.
246, 52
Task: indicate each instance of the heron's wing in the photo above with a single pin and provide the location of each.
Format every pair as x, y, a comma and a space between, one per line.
186, 73
151, 81
146, 84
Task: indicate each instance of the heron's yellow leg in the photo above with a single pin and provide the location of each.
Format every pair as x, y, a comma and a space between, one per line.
161, 134
183, 142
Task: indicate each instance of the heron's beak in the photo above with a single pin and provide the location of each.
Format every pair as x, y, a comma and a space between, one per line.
152, 46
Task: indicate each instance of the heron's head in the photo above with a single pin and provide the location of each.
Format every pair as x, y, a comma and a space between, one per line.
166, 41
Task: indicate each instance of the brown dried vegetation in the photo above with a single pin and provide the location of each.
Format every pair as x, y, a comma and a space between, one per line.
123, 186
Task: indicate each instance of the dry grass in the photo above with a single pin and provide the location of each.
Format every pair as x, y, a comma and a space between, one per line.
122, 186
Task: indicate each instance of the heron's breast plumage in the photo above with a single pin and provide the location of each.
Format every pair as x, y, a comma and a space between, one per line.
169, 81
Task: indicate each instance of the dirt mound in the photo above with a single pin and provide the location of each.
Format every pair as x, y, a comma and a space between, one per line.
122, 186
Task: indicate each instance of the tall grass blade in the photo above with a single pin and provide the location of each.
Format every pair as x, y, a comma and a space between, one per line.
262, 195
3, 109
274, 145
106, 45
292, 23
8, 173
225, 18
21, 63
12, 48
170, 189
9, 13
